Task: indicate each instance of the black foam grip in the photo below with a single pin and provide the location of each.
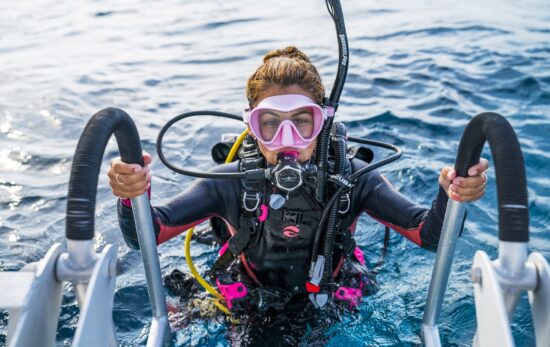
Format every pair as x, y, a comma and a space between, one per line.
88, 156
509, 167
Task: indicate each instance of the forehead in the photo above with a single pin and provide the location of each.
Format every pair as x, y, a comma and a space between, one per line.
279, 90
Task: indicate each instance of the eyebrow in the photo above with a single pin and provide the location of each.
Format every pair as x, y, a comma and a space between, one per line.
294, 114
300, 111
270, 112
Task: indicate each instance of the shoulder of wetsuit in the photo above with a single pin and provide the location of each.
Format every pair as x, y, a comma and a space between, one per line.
225, 168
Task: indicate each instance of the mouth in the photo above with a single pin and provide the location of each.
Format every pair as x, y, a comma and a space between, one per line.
289, 149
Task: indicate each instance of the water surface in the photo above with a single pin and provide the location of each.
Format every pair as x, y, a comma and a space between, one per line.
418, 72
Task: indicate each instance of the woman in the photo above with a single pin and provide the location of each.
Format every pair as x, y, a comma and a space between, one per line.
284, 118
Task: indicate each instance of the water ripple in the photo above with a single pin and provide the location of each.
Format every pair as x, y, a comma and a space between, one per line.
438, 31
418, 72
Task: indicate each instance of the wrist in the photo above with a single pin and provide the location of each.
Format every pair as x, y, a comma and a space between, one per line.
128, 202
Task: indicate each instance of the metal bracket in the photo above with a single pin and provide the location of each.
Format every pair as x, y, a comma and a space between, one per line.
35, 308
95, 326
540, 300
493, 325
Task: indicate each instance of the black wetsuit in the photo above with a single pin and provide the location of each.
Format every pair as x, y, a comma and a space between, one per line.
207, 198
372, 194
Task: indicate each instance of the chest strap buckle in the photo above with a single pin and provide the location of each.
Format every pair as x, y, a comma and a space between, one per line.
251, 199
345, 203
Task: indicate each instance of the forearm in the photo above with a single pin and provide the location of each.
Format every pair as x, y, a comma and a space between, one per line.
418, 224
205, 198
128, 225
433, 222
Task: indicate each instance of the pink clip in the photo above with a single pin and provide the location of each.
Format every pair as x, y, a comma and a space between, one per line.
263, 215
353, 295
223, 249
358, 253
232, 291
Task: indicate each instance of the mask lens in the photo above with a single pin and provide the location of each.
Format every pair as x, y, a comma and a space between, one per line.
304, 122
269, 123
302, 119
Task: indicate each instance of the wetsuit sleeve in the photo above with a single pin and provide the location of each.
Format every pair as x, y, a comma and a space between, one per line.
384, 203
205, 198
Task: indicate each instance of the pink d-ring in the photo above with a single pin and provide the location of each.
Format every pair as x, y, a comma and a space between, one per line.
263, 214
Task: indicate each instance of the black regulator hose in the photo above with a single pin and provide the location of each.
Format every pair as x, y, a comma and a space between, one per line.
79, 224
339, 147
513, 209
328, 207
335, 11
259, 172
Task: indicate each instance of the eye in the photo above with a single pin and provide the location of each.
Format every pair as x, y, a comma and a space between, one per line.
302, 119
270, 123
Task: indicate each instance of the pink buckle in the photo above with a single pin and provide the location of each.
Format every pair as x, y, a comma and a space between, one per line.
232, 291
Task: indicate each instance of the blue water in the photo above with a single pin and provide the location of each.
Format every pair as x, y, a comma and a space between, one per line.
418, 72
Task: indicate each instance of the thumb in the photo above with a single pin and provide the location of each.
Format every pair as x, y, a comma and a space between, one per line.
448, 173
446, 176
147, 159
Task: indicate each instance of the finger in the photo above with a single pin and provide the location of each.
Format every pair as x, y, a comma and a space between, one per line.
444, 175
478, 168
471, 198
129, 179
128, 195
471, 182
451, 173
131, 190
455, 196
123, 168
122, 179
466, 192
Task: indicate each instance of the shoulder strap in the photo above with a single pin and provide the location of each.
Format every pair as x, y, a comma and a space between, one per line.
252, 196
252, 185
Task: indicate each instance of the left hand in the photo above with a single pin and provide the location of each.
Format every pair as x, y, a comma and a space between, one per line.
462, 189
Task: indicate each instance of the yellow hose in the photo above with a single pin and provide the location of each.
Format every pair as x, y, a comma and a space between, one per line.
194, 272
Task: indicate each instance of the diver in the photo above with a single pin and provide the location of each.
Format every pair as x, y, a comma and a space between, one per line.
268, 226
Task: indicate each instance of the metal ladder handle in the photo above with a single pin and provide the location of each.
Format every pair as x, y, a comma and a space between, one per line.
512, 198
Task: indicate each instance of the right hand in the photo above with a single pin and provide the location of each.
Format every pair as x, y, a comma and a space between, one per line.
129, 180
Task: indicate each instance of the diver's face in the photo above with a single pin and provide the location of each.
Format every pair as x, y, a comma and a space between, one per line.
304, 153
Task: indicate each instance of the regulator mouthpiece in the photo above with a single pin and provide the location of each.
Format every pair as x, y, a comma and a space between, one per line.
287, 174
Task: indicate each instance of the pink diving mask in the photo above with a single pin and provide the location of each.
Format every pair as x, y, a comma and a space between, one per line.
291, 120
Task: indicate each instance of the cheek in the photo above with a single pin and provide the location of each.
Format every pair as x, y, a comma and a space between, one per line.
308, 152
270, 156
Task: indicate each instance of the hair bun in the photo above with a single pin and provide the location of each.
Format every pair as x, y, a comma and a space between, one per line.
288, 52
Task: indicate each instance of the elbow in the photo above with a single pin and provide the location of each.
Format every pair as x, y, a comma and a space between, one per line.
432, 247
131, 240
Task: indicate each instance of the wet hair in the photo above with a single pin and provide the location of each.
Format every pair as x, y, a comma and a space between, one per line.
284, 68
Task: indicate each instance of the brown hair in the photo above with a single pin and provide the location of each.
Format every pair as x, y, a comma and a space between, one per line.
285, 67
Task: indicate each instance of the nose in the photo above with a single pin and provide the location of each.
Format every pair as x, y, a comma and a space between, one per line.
287, 135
